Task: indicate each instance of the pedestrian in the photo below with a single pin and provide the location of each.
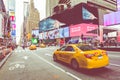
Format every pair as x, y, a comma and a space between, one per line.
61, 42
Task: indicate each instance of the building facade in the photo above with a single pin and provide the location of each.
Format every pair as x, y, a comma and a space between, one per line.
33, 18
103, 6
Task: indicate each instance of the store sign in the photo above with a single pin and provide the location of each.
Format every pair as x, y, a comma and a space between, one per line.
78, 30
12, 18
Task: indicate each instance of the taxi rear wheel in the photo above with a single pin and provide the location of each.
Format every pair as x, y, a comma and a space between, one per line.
74, 64
55, 58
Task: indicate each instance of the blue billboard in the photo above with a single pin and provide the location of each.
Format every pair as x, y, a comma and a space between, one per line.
46, 24
66, 32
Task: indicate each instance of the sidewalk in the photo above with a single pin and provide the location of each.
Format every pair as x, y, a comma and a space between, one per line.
111, 48
4, 59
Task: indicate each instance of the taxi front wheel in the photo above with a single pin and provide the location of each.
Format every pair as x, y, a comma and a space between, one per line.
74, 64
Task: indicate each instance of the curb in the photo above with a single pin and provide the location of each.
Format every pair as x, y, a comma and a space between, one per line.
5, 59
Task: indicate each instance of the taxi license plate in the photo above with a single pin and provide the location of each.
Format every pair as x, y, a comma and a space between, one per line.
100, 57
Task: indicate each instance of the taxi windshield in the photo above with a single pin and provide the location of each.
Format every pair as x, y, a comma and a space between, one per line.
86, 48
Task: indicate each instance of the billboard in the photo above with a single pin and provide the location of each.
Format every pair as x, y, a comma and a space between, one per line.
51, 34
66, 32
47, 24
111, 18
35, 32
61, 31
34, 40
118, 4
89, 14
79, 29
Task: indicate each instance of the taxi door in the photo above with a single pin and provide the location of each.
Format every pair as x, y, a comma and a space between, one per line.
68, 54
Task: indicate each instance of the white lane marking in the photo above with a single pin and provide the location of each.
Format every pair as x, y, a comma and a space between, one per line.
16, 66
48, 54
25, 57
114, 64
110, 55
70, 74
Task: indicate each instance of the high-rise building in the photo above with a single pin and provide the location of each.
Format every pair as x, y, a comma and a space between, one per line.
33, 18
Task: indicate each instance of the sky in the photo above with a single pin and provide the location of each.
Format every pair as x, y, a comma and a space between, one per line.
41, 6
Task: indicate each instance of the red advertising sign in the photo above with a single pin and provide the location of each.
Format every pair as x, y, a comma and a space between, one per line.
77, 30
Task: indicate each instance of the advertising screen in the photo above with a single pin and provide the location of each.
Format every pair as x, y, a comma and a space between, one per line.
78, 30
35, 32
56, 33
112, 18
118, 4
46, 24
51, 34
45, 35
41, 36
89, 14
34, 40
66, 32
61, 31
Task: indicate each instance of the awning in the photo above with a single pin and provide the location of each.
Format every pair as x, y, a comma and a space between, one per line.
105, 30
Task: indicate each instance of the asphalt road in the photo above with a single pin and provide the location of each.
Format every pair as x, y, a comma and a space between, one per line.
39, 65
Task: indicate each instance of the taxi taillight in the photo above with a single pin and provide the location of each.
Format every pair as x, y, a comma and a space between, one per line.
104, 53
89, 55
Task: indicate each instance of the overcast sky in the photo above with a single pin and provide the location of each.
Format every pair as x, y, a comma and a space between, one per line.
41, 6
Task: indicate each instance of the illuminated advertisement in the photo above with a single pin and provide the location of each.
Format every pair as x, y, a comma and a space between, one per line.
118, 4
112, 18
118, 37
78, 30
89, 14
66, 32
41, 36
13, 33
51, 34
61, 31
35, 32
46, 24
34, 40
56, 33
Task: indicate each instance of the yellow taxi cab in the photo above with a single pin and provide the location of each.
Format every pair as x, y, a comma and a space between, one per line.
42, 45
32, 47
81, 56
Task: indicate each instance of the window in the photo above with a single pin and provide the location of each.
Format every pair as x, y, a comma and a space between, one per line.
69, 48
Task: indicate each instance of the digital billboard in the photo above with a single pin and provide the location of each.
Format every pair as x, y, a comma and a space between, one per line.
111, 18
66, 32
56, 33
51, 34
35, 32
79, 29
46, 24
118, 4
41, 36
61, 31
34, 40
89, 14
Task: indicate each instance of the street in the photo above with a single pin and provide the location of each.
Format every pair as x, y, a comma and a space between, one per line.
39, 65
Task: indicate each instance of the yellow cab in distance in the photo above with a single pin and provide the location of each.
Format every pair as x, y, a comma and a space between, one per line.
32, 47
81, 56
